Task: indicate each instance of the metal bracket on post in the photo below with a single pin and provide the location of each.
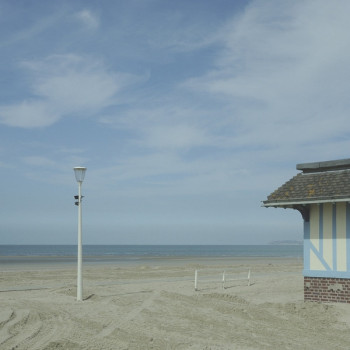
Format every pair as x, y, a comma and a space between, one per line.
77, 198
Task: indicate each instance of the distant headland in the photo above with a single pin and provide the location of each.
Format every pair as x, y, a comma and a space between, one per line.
287, 242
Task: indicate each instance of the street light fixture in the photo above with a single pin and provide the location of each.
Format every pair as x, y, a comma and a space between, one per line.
79, 176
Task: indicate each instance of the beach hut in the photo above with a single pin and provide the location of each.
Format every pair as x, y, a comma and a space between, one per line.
321, 193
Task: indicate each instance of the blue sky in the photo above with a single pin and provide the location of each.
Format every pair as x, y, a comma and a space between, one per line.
187, 114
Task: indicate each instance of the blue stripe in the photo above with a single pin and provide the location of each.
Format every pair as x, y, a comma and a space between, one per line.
307, 245
320, 257
321, 228
334, 236
347, 229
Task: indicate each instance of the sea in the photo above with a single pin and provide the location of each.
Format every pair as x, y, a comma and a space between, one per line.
122, 254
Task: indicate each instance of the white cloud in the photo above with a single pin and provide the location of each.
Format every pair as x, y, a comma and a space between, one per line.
28, 33
39, 161
64, 85
79, 91
28, 114
59, 162
175, 137
284, 71
170, 127
279, 86
88, 18
72, 83
277, 95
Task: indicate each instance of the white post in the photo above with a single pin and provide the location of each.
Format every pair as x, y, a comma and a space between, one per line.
223, 280
80, 250
249, 278
79, 176
195, 280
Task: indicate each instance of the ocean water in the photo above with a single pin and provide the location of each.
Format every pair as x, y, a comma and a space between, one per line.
139, 253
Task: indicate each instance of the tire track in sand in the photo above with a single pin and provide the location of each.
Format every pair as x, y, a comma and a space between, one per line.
16, 330
21, 328
129, 316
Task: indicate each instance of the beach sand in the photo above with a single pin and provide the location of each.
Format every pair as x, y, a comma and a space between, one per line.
154, 306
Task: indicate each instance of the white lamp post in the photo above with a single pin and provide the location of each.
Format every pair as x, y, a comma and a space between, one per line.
79, 175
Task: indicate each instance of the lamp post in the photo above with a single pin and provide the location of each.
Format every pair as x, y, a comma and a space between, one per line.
79, 175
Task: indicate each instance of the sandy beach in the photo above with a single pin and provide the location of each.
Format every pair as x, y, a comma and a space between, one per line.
155, 306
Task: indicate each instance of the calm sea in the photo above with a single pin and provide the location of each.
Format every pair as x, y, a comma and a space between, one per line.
139, 253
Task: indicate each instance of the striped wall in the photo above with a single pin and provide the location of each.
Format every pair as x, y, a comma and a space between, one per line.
327, 241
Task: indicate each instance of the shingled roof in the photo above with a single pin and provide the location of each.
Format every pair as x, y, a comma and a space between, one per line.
318, 183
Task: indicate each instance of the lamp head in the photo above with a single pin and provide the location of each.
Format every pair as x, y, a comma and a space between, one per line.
79, 172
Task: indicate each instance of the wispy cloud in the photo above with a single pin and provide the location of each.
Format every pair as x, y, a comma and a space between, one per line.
39, 161
74, 84
64, 85
30, 30
28, 114
179, 106
88, 18
276, 94
175, 137
284, 72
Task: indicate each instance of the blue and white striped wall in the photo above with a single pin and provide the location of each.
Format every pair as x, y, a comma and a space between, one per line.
327, 241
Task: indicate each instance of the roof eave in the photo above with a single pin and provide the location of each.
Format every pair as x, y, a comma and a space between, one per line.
304, 202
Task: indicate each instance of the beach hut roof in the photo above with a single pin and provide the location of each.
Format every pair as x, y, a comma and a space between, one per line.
318, 182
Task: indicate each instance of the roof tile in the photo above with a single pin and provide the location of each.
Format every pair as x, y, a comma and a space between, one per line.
321, 186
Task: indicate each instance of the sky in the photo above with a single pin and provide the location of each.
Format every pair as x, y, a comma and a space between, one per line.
187, 114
